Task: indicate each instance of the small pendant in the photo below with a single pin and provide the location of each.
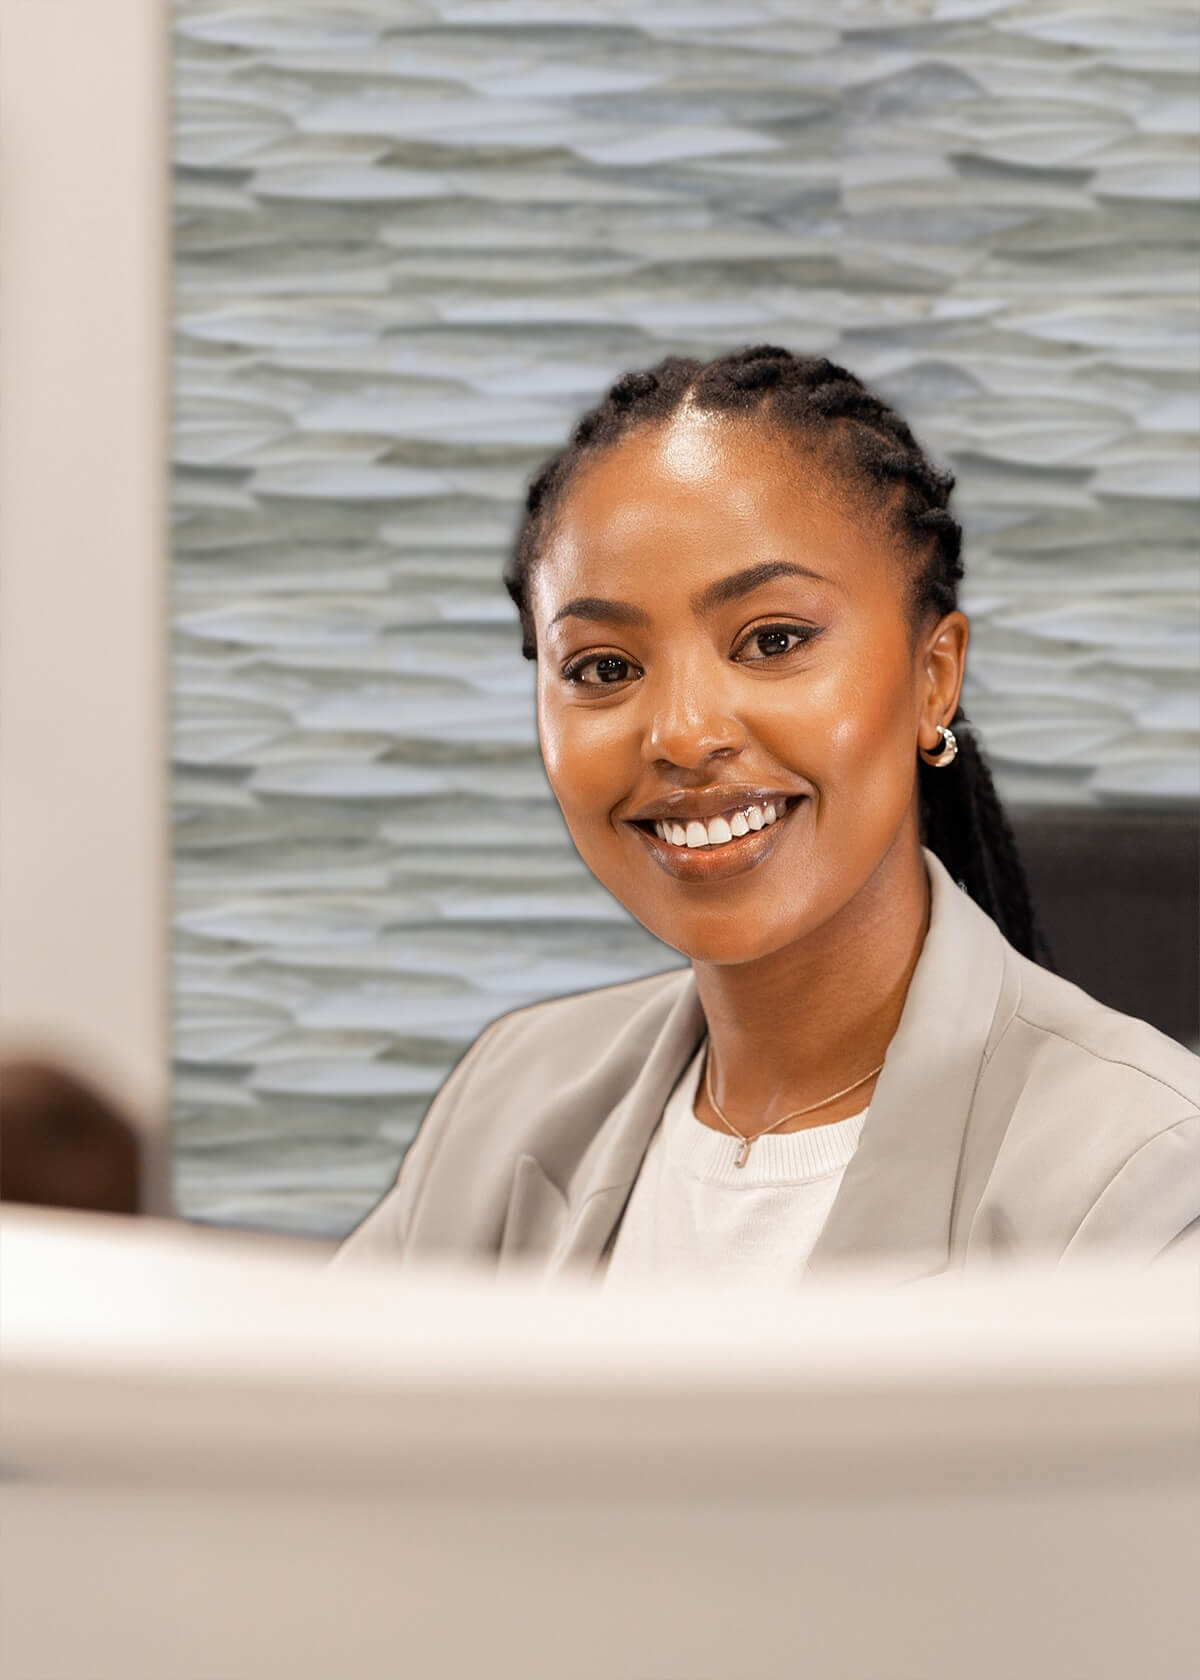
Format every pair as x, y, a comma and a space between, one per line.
743, 1154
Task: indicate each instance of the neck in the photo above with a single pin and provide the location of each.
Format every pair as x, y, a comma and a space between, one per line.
799, 1024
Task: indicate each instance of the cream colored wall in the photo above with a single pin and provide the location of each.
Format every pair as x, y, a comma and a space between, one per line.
84, 411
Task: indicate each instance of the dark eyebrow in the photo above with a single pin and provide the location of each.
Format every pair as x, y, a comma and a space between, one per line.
717, 594
741, 583
595, 606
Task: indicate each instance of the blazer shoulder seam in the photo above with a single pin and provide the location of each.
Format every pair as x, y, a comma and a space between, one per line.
1110, 1061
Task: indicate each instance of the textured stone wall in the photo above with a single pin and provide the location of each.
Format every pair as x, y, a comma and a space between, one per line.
413, 240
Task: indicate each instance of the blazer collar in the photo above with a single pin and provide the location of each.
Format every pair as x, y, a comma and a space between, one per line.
894, 1206
896, 1199
602, 1183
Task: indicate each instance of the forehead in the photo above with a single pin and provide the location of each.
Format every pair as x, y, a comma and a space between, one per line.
702, 495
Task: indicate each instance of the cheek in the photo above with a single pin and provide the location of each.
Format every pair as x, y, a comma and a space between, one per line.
582, 753
856, 709
874, 722
850, 730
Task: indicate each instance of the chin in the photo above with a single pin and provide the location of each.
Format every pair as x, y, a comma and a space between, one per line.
704, 940
724, 955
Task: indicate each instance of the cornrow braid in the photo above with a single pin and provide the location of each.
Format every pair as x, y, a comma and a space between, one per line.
868, 444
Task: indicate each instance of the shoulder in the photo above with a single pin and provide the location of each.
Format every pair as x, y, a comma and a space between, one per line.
1096, 1121
590, 1045
1038, 1029
1060, 1026
537, 1080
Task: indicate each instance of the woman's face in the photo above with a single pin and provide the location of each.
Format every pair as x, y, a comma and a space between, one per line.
718, 633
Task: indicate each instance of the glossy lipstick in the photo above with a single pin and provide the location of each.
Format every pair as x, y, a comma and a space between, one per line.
719, 862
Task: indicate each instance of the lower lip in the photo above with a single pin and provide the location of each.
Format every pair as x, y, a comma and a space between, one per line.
716, 863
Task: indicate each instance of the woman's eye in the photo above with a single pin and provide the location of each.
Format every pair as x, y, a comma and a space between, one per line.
774, 639
609, 668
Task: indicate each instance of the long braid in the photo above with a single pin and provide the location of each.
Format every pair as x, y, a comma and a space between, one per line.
964, 824
962, 819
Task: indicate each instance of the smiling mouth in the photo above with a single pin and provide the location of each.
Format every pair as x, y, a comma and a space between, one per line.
718, 859
720, 832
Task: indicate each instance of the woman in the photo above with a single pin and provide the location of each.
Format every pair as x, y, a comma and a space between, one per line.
739, 582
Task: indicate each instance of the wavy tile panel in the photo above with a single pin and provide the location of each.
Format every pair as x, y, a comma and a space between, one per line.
412, 240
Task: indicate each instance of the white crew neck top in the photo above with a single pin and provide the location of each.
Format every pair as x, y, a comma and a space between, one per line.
694, 1215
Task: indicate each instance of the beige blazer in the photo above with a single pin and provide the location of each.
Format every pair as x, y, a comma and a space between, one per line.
1014, 1116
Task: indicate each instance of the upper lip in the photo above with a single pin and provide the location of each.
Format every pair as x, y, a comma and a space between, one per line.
699, 804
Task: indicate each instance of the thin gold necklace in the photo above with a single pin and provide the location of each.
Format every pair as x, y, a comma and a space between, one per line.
743, 1154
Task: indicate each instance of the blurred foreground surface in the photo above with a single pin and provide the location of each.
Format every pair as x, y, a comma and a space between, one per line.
222, 1460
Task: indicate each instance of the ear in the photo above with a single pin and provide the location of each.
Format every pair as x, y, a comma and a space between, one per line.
943, 663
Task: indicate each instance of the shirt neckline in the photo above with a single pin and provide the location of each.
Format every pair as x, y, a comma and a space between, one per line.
776, 1160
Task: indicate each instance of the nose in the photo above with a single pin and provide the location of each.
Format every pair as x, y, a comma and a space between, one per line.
691, 717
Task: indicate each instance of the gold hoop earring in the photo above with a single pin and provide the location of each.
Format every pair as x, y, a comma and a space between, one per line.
947, 752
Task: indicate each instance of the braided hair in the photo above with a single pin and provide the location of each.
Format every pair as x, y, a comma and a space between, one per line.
869, 445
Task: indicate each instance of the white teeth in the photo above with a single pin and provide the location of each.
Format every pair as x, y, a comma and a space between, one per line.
719, 831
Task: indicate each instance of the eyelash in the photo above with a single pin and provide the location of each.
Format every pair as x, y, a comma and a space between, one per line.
805, 632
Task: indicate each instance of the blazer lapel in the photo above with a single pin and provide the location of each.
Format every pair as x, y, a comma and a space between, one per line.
536, 1211
601, 1184
895, 1203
